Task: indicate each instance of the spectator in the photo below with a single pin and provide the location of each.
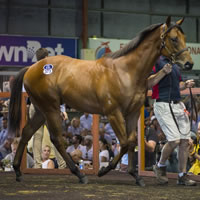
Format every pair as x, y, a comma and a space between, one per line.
195, 154
105, 151
105, 135
47, 163
10, 157
75, 128
87, 150
151, 140
4, 112
5, 148
86, 122
4, 131
115, 148
76, 155
76, 144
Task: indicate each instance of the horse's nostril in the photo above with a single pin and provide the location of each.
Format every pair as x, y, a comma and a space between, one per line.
188, 66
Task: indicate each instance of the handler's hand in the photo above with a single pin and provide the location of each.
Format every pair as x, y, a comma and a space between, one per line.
189, 83
167, 68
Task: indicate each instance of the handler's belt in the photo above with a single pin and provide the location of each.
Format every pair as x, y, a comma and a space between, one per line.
167, 101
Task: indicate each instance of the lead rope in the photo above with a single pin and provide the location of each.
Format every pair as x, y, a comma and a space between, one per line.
193, 108
170, 107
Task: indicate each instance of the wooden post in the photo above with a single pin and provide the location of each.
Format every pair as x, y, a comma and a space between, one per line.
141, 147
95, 132
84, 23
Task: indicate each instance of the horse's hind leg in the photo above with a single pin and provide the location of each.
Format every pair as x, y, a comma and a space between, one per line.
30, 128
54, 123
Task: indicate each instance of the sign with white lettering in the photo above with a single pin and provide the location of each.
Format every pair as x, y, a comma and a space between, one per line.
194, 49
20, 50
104, 45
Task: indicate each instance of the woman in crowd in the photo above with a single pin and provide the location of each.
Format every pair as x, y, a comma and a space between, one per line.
47, 163
105, 151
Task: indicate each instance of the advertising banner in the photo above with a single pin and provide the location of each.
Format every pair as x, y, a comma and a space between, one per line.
20, 50
105, 45
194, 49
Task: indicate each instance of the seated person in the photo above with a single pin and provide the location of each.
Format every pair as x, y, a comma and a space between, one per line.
75, 128
104, 151
10, 157
4, 131
76, 155
47, 163
105, 135
76, 144
87, 150
5, 148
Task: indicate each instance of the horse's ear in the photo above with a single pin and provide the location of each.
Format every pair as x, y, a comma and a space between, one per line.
168, 21
179, 22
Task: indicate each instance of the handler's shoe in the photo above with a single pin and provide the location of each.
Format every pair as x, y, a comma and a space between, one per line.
184, 180
160, 173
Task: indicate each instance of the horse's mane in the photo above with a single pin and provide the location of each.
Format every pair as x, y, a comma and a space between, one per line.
134, 43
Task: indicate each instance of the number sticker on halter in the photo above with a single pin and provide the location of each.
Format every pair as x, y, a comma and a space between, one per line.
48, 69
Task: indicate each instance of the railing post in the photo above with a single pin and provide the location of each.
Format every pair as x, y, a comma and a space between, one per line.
95, 132
141, 147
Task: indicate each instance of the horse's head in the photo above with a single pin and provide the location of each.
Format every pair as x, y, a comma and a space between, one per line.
173, 44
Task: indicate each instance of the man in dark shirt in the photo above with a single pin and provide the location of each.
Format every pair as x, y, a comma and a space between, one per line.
172, 117
151, 140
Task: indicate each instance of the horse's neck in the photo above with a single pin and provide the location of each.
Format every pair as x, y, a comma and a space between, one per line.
140, 61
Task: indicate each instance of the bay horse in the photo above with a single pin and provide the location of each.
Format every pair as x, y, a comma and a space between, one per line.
114, 85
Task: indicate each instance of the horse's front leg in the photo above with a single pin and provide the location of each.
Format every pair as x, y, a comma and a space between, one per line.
131, 123
118, 124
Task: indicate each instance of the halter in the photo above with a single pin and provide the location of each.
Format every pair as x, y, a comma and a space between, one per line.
173, 56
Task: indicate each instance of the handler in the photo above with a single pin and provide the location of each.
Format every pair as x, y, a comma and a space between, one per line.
172, 117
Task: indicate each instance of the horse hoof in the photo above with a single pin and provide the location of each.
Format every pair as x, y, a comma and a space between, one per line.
84, 180
102, 171
18, 178
140, 182
18, 175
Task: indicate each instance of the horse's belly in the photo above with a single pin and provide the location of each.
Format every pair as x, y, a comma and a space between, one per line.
84, 104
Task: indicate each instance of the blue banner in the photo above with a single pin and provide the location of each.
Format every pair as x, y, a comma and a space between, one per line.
20, 50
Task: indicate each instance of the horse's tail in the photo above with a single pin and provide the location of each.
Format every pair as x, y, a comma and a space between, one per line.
14, 115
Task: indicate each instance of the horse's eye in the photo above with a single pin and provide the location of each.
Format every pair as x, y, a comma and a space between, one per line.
175, 39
